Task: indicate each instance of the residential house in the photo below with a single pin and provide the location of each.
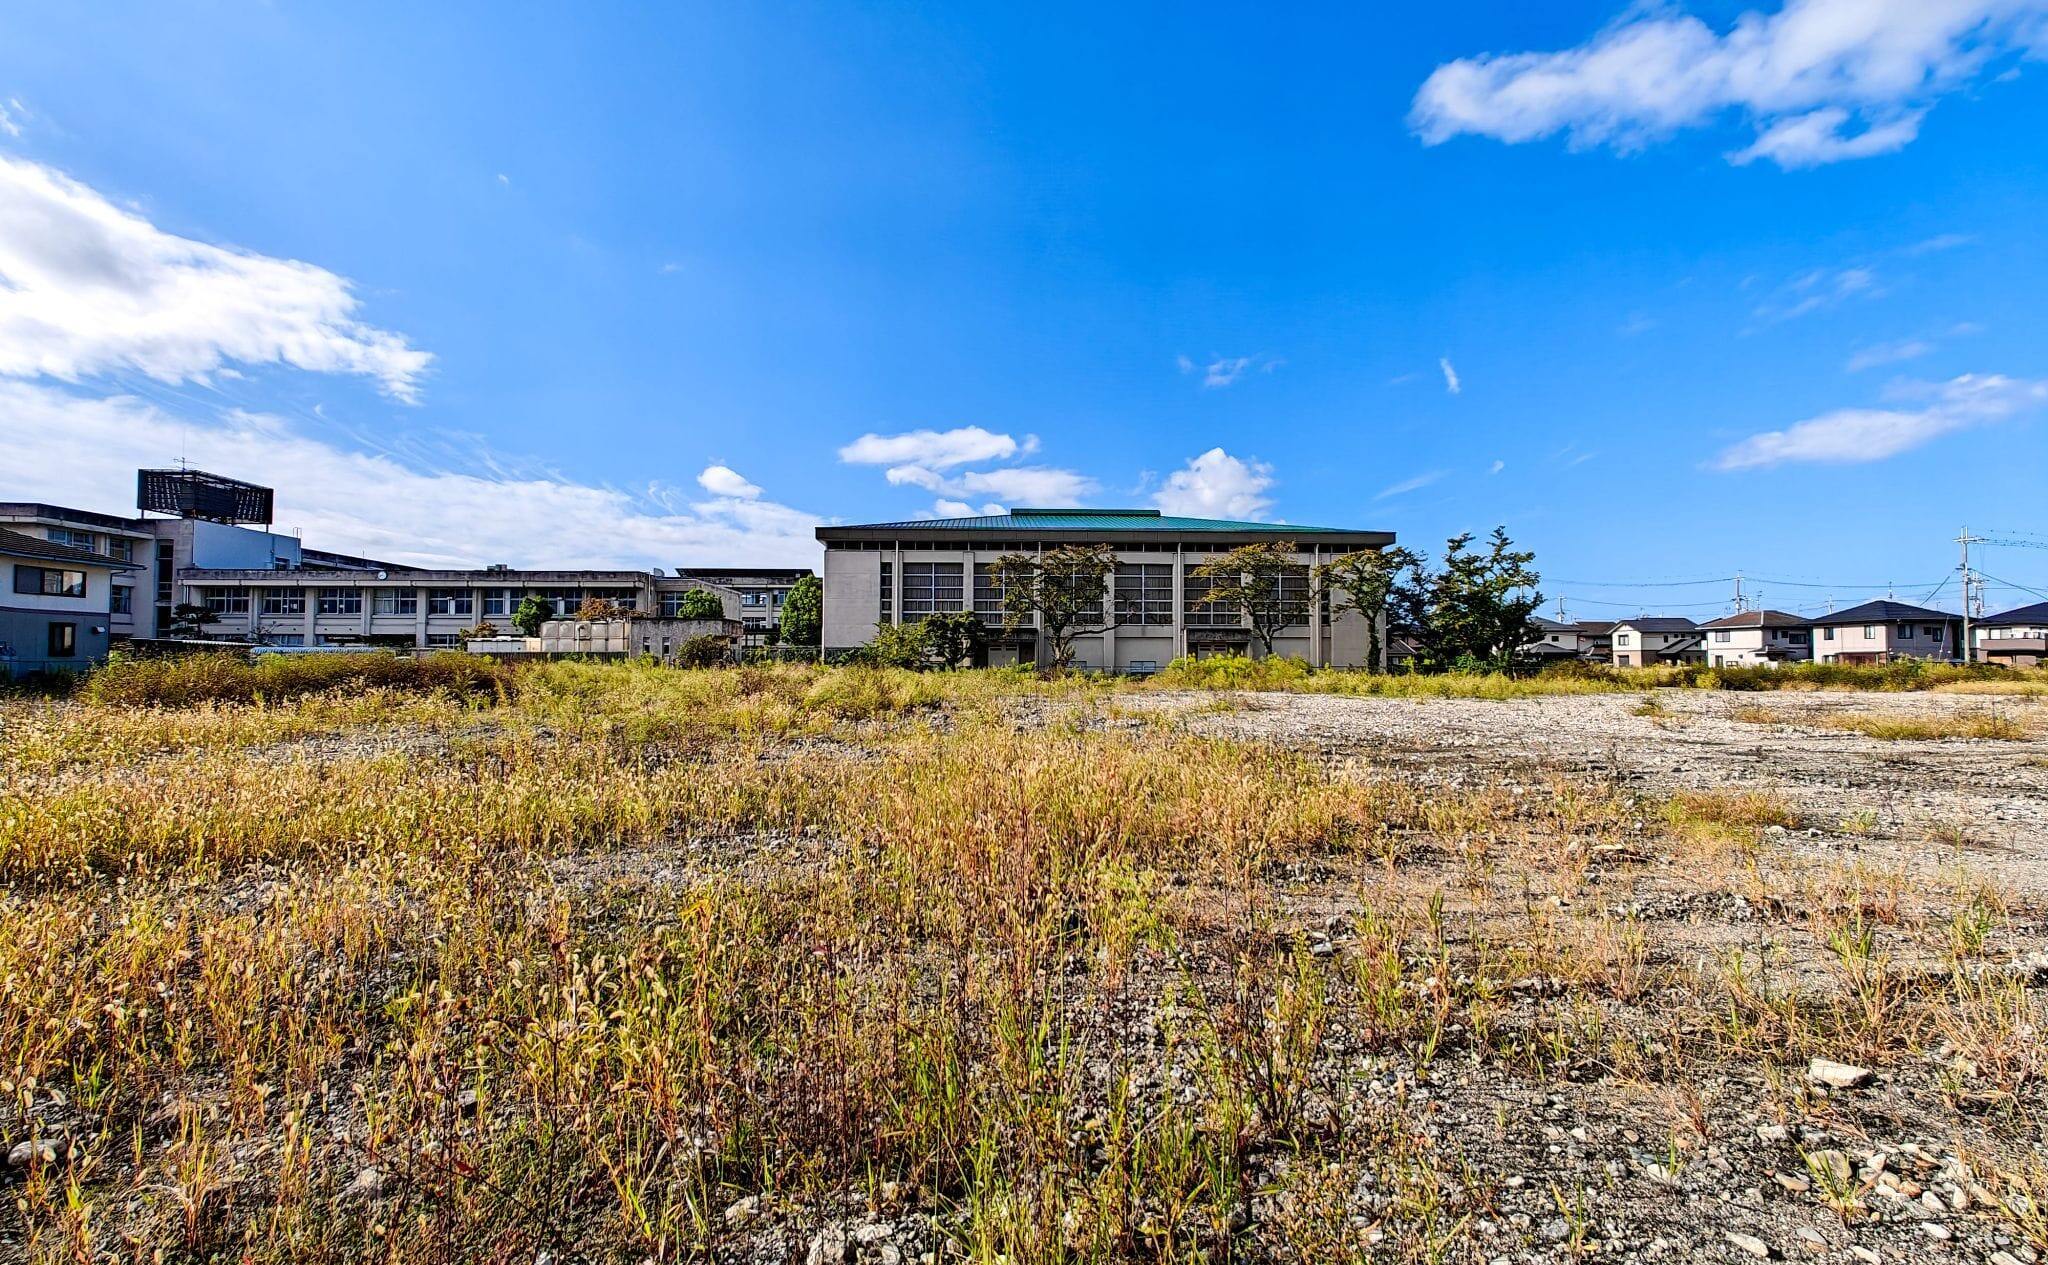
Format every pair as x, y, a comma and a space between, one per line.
1649, 640
2017, 638
1878, 632
1757, 638
56, 604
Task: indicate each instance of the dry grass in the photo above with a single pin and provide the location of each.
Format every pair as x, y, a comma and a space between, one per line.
1902, 726
578, 969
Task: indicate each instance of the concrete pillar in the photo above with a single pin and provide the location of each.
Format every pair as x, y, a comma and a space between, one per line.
310, 599
1315, 612
1180, 612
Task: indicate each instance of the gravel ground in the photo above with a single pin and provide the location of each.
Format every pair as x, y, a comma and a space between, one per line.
1929, 804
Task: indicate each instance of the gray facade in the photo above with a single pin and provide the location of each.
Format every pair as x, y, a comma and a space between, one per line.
883, 573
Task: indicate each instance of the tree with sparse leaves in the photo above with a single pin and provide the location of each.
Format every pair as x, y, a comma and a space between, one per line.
1473, 610
1365, 582
598, 609
189, 620
1065, 591
1263, 583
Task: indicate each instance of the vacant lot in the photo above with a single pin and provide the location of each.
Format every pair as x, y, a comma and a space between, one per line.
620, 963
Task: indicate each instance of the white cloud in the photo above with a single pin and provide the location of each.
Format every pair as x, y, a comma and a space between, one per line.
87, 288
1406, 486
1451, 382
11, 115
1217, 485
1497, 467
1222, 371
75, 450
1887, 354
725, 481
1817, 289
1872, 434
1014, 485
935, 449
1819, 80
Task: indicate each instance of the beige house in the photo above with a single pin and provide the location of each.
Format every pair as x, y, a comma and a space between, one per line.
1649, 640
884, 573
1878, 632
1757, 638
2016, 638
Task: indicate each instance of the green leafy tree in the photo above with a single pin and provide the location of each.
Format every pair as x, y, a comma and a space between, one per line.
1263, 583
534, 610
1365, 582
1473, 610
1064, 591
699, 604
803, 612
954, 639
703, 652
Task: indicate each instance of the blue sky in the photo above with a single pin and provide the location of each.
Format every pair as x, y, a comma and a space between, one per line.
1671, 291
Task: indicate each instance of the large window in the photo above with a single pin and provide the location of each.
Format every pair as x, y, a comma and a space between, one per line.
1201, 612
888, 614
227, 601
63, 641
123, 602
76, 539
497, 601
1722, 635
449, 602
1293, 595
1144, 592
284, 601
988, 596
49, 582
341, 601
931, 588
120, 548
397, 602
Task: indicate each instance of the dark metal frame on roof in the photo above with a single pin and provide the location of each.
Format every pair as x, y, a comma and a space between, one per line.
197, 494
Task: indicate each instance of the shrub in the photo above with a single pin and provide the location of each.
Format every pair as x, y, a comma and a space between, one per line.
189, 680
702, 652
803, 612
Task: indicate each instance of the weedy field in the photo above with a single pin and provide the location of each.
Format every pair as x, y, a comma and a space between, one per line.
619, 963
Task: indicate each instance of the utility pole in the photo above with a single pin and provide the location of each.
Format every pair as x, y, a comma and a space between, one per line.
1739, 607
1560, 610
1965, 539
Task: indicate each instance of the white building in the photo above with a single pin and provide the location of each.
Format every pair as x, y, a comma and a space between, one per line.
1649, 640
883, 573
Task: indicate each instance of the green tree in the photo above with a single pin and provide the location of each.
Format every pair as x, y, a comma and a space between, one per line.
1474, 608
1063, 590
953, 640
534, 610
699, 604
803, 612
189, 620
897, 646
1261, 582
1365, 582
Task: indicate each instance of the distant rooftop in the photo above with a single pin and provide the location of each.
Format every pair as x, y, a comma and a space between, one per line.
1882, 612
1076, 522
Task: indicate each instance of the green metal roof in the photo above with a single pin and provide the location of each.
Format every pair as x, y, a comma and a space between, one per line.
1096, 520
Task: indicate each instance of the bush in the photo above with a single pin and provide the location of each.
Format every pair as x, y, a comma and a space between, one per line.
702, 652
189, 680
1235, 672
